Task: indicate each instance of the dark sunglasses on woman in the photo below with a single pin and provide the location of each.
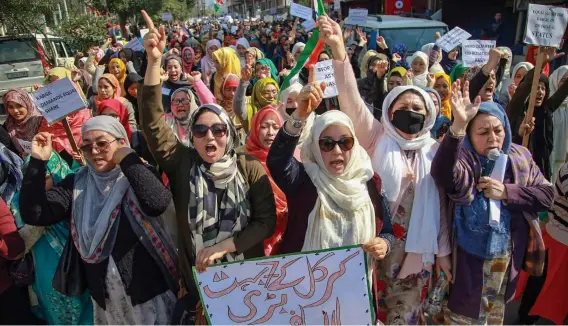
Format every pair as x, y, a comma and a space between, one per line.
218, 130
101, 146
327, 144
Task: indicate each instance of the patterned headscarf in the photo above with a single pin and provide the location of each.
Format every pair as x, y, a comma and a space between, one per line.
180, 125
257, 100
26, 128
209, 222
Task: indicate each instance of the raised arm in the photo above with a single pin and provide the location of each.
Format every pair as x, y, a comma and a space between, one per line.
162, 141
240, 98
477, 83
367, 128
203, 93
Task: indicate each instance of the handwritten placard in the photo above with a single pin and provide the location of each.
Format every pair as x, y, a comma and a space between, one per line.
25, 145
300, 11
324, 73
452, 39
58, 99
476, 52
309, 25
135, 45
325, 287
545, 25
358, 16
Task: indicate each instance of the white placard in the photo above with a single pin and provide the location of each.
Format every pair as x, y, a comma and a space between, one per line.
58, 99
300, 11
324, 73
135, 45
25, 145
234, 29
167, 16
296, 289
143, 32
476, 52
452, 39
268, 19
358, 17
309, 25
545, 25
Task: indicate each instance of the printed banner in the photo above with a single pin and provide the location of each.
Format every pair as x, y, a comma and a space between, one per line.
58, 99
452, 39
316, 288
476, 52
545, 25
324, 73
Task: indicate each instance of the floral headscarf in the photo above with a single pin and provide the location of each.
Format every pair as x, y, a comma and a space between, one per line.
26, 128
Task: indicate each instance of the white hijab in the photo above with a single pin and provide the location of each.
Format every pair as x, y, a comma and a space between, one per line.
242, 41
343, 214
422, 79
391, 163
560, 118
436, 67
503, 88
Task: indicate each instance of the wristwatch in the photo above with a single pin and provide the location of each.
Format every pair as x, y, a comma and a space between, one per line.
298, 124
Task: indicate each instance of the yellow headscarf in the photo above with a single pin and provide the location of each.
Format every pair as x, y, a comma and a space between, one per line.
446, 106
257, 53
61, 73
228, 64
257, 101
400, 70
122, 77
365, 62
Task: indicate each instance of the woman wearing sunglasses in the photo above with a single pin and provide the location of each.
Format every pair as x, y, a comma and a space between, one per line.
224, 201
333, 199
401, 151
113, 205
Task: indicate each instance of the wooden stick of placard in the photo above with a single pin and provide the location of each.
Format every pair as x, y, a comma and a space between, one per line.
532, 101
72, 139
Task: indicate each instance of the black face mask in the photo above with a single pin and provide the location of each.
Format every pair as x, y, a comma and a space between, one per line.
408, 122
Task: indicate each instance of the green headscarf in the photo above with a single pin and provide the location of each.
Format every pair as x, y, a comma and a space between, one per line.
457, 72
257, 101
270, 64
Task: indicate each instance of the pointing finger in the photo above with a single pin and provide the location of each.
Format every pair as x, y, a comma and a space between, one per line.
148, 20
312, 74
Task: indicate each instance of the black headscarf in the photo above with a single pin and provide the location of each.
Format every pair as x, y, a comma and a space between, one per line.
542, 138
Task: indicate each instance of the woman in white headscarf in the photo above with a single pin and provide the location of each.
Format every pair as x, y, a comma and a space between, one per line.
419, 68
401, 152
560, 119
114, 206
506, 89
207, 62
434, 56
241, 47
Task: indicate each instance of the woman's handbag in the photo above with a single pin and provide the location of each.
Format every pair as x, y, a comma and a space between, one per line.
69, 278
23, 271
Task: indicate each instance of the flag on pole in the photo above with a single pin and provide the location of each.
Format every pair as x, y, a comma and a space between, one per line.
311, 51
217, 7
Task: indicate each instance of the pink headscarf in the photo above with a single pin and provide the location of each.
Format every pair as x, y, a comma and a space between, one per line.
207, 64
187, 65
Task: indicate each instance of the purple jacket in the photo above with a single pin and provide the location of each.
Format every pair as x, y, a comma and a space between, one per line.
528, 193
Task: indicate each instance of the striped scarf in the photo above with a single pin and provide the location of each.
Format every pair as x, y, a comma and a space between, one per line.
210, 222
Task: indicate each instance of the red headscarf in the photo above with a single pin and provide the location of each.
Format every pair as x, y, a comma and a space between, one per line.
120, 110
256, 148
532, 59
187, 65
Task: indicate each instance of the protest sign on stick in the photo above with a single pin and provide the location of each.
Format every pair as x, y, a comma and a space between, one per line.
309, 288
532, 100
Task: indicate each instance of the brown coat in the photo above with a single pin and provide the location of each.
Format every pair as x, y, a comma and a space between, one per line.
175, 160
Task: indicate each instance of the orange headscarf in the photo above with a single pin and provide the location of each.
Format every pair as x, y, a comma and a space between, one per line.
256, 148
117, 90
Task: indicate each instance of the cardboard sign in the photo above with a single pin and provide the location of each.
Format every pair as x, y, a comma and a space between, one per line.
309, 25
58, 99
167, 16
545, 25
301, 11
143, 32
476, 52
314, 288
358, 16
324, 73
452, 39
135, 45
25, 145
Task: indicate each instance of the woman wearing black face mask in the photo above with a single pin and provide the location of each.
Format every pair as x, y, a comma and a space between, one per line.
401, 151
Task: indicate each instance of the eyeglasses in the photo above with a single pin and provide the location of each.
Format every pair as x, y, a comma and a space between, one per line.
101, 146
180, 101
327, 144
218, 130
268, 93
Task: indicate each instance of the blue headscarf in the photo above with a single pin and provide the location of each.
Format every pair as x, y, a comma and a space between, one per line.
474, 234
440, 118
401, 50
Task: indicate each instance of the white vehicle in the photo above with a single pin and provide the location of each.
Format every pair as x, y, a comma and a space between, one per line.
414, 32
20, 61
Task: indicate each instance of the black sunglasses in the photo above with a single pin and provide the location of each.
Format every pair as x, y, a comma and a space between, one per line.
101, 145
217, 129
327, 144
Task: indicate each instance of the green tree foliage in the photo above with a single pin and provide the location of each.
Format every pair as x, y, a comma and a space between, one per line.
181, 10
22, 17
82, 31
127, 8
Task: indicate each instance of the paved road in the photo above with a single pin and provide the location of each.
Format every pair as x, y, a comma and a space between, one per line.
511, 315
